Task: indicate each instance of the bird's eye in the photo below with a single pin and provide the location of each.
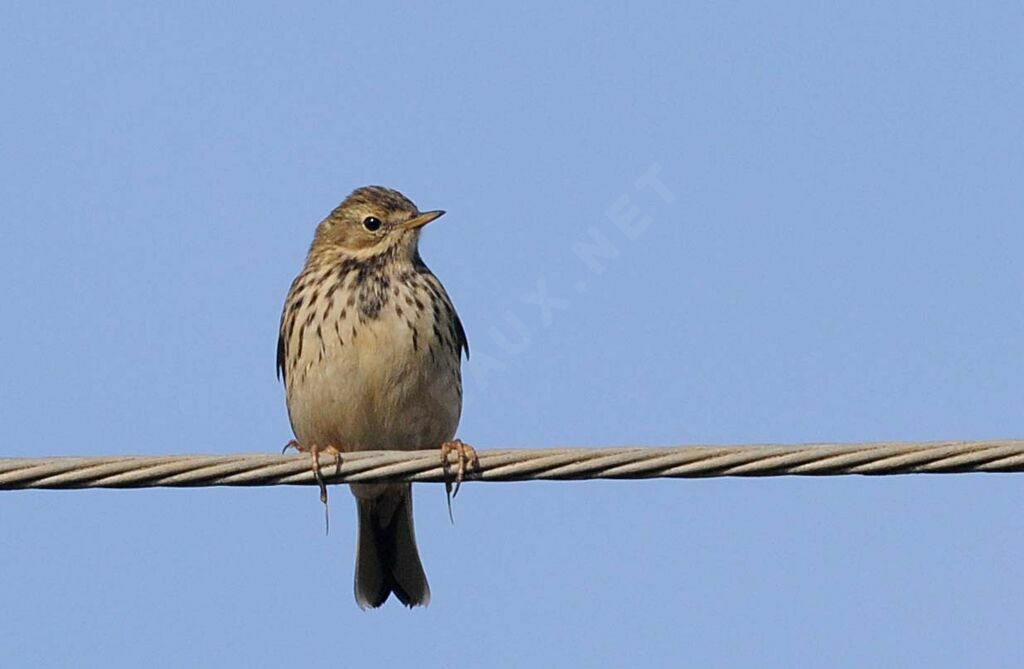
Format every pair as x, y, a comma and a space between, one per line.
371, 223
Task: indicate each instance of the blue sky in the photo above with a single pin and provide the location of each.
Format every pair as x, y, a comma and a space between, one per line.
834, 255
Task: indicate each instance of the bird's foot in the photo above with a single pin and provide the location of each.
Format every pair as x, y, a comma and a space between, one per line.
314, 452
466, 458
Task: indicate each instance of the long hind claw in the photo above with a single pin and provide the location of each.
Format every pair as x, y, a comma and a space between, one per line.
314, 452
467, 459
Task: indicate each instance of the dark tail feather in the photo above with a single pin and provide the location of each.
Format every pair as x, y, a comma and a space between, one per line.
387, 560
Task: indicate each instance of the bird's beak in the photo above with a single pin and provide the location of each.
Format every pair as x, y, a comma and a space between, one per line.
422, 219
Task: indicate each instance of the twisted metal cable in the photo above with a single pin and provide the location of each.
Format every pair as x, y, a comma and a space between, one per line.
561, 464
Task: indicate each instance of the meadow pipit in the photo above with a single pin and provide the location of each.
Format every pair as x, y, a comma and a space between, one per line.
370, 350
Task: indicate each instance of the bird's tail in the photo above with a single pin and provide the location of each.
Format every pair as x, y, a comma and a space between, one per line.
387, 560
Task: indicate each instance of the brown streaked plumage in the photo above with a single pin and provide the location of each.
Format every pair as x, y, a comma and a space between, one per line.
370, 351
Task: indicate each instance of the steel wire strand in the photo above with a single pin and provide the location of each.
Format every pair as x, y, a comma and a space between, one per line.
558, 464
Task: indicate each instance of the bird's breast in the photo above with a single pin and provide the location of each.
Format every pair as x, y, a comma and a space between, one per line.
370, 367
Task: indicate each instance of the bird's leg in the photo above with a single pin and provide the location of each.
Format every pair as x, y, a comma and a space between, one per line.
467, 459
314, 452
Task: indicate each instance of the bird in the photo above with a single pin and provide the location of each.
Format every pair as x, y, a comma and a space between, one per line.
370, 350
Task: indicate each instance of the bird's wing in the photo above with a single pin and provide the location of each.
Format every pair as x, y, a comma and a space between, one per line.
281, 371
461, 333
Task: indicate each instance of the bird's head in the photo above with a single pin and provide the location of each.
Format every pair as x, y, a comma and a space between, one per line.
373, 220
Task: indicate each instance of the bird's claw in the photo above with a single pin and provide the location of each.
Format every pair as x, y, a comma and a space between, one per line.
466, 458
314, 452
